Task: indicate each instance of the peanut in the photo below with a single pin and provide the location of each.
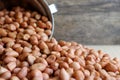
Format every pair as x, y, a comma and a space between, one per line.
6, 40
26, 37
51, 59
23, 72
64, 75
48, 71
14, 78
86, 73
45, 76
49, 25
41, 60
19, 49
70, 71
64, 65
9, 44
16, 70
19, 15
24, 24
1, 49
31, 59
42, 45
26, 50
79, 75
9, 59
36, 73
3, 32
75, 65
11, 65
36, 53
2, 70
37, 16
44, 36
8, 20
38, 78
33, 40
12, 53
57, 48
39, 66
24, 64
6, 75
2, 79
45, 19
41, 24
11, 27
111, 67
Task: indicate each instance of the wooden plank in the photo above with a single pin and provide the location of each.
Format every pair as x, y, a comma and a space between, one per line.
88, 21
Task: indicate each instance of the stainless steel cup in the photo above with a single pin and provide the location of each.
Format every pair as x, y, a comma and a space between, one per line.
38, 5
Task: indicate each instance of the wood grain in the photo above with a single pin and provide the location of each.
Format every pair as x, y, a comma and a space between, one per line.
88, 21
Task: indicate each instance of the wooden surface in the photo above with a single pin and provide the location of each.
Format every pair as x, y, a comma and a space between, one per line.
112, 50
88, 21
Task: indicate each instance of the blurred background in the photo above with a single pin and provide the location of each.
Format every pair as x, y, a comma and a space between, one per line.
89, 22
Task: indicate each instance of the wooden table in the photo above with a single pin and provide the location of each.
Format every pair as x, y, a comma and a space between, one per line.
88, 21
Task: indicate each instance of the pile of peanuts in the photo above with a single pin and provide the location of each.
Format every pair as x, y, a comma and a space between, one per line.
26, 53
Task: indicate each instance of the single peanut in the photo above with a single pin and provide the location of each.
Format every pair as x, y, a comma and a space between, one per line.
50, 59
19, 15
1, 49
16, 70
111, 67
9, 59
6, 75
36, 73
9, 44
24, 24
11, 65
33, 40
49, 25
41, 24
31, 59
3, 32
48, 71
79, 75
86, 73
23, 72
41, 60
44, 19
42, 45
64, 75
8, 20
24, 64
43, 37
37, 16
14, 78
19, 49
57, 48
12, 53
64, 65
11, 27
39, 66
45, 76
75, 65
26, 37
2, 70
6, 40
27, 50
70, 71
